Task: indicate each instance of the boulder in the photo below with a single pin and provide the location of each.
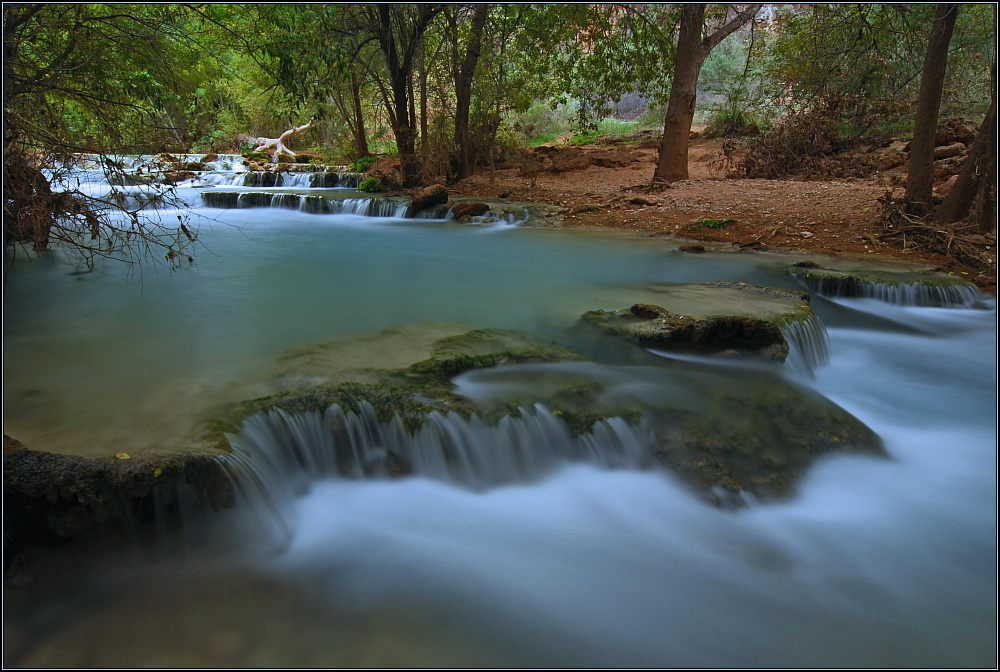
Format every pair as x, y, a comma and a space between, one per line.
428, 197
948, 151
466, 209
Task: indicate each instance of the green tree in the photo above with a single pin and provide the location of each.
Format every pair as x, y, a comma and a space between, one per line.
693, 47
86, 79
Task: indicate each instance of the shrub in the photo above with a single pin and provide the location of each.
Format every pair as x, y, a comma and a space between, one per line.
370, 184
362, 164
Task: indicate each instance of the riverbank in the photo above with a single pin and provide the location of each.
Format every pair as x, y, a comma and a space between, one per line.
610, 188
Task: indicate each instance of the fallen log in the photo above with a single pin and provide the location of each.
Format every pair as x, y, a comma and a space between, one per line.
278, 143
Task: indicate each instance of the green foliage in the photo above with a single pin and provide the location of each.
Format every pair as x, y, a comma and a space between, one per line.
362, 164
717, 224
371, 184
731, 121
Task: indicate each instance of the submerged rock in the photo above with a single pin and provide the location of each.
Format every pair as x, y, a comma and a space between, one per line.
758, 440
714, 318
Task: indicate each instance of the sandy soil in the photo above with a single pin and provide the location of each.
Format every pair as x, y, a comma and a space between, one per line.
839, 217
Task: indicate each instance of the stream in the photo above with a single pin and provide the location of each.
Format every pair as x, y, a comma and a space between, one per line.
587, 562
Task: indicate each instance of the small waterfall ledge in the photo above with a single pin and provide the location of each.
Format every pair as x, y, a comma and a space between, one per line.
276, 455
901, 289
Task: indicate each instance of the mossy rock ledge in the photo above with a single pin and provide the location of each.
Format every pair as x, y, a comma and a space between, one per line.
904, 287
719, 318
50, 496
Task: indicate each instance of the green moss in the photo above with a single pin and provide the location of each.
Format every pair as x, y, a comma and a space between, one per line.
761, 440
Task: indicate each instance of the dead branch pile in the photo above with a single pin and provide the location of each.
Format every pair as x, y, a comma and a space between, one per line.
960, 241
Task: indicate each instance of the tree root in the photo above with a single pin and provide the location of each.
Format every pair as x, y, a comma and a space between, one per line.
960, 241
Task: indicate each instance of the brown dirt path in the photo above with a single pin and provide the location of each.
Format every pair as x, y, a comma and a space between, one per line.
838, 217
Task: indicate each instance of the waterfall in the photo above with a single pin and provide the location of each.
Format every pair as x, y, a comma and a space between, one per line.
317, 205
276, 455
915, 293
809, 344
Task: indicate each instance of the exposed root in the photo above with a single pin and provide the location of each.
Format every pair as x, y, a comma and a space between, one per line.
960, 241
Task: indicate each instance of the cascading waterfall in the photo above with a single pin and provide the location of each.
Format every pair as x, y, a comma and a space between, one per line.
900, 294
317, 205
276, 455
809, 345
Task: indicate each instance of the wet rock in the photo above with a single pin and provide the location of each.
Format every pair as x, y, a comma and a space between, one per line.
759, 439
467, 209
176, 176
748, 319
210, 157
694, 249
428, 197
903, 287
49, 496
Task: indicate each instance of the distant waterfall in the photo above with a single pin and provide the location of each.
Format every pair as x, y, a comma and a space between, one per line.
317, 205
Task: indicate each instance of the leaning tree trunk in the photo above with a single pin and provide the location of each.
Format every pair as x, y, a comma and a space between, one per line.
920, 174
976, 181
692, 50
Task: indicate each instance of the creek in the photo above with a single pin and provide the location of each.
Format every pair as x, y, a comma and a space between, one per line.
582, 561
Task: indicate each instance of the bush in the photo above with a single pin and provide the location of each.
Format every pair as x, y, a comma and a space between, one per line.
731, 121
370, 184
362, 164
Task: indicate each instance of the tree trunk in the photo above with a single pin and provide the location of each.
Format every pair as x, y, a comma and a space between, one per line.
672, 164
424, 139
463, 89
920, 174
398, 57
692, 50
976, 181
358, 127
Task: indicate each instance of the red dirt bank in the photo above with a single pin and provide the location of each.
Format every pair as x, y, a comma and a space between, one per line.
833, 217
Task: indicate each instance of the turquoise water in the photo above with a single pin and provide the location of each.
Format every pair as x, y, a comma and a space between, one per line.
873, 563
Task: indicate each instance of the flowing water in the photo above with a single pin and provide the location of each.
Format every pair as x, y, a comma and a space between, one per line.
535, 549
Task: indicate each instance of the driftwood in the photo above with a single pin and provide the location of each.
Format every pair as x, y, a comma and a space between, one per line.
278, 143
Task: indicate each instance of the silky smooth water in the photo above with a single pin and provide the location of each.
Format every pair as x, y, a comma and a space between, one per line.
872, 563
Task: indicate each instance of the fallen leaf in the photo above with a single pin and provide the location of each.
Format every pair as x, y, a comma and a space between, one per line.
123, 456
